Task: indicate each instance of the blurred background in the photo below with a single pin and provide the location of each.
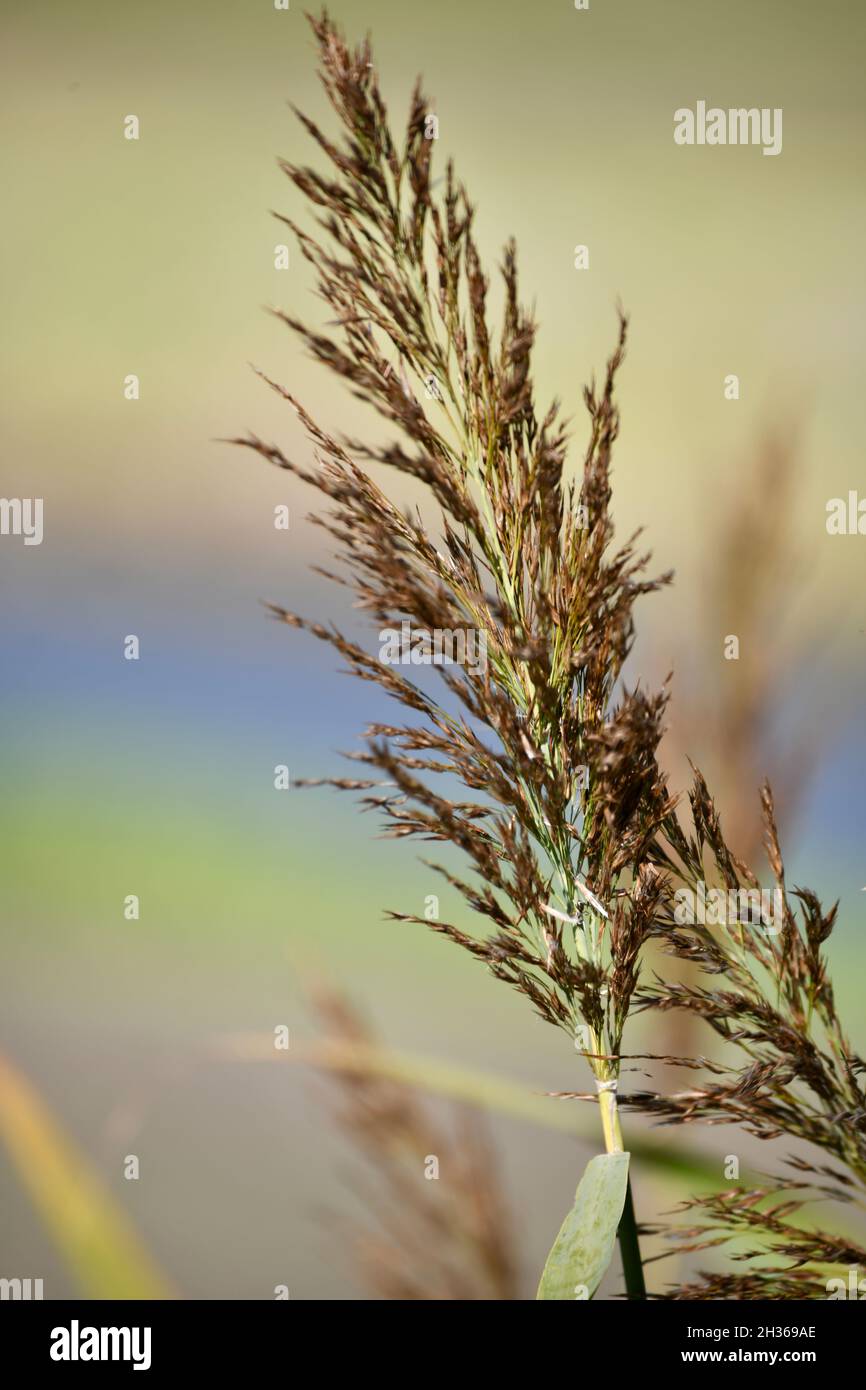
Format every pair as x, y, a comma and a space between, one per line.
156, 777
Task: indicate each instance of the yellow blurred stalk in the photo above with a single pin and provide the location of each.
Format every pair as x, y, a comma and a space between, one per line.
95, 1237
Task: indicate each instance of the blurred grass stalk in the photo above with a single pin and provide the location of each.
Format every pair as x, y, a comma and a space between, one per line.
92, 1232
496, 1094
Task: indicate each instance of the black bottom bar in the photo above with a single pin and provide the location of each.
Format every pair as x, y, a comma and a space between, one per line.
157, 1339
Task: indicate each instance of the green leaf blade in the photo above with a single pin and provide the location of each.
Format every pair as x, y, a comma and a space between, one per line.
584, 1247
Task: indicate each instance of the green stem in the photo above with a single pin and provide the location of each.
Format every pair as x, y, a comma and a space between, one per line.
629, 1249
629, 1245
